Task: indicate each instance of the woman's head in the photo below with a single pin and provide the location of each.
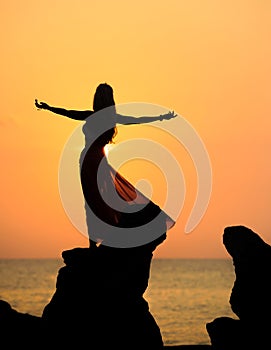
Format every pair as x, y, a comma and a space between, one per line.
103, 97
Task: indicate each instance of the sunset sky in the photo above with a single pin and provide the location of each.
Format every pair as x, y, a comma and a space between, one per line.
209, 61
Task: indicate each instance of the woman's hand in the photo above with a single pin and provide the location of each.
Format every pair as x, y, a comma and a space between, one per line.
41, 105
168, 116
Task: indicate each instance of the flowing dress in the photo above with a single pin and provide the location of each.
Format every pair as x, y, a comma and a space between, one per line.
117, 214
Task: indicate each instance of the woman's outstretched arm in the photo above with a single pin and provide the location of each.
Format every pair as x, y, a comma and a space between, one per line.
123, 119
73, 114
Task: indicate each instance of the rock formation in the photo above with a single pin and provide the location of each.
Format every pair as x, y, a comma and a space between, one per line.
250, 297
98, 303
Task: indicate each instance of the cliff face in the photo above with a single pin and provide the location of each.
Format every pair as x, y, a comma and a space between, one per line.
250, 298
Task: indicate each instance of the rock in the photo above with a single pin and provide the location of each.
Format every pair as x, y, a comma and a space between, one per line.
250, 297
99, 297
18, 328
98, 303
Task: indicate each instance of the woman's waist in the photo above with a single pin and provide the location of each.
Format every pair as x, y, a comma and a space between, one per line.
93, 151
92, 156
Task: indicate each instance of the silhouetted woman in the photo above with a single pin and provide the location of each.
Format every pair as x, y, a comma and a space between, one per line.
100, 290
112, 203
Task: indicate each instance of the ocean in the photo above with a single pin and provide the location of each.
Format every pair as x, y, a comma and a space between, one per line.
183, 294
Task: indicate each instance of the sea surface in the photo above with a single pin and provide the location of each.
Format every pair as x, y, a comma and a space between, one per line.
183, 294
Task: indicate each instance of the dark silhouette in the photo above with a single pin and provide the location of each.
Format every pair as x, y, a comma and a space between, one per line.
250, 298
19, 330
98, 303
111, 202
99, 299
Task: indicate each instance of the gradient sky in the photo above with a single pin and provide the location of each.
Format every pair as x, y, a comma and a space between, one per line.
207, 60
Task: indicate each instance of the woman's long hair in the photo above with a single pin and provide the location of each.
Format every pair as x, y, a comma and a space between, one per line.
104, 97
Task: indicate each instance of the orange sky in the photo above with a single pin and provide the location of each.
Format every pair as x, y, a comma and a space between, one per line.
207, 60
